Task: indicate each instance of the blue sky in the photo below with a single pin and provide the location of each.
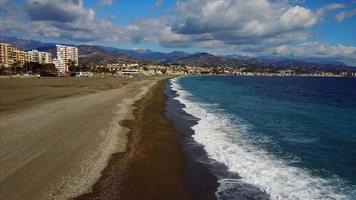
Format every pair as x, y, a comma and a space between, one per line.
331, 31
127, 11
293, 28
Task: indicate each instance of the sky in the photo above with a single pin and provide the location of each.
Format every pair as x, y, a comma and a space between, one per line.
286, 28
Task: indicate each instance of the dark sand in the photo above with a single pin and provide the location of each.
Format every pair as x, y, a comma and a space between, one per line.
152, 167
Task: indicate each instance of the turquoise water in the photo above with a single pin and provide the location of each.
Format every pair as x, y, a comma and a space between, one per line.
292, 137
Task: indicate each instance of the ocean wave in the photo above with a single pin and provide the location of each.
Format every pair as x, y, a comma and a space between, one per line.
227, 141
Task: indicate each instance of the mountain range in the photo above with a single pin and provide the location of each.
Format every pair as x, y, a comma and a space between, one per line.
94, 55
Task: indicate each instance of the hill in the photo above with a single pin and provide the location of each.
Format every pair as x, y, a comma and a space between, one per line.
93, 55
24, 44
97, 55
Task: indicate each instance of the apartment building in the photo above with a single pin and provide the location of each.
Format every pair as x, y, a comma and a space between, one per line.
45, 57
4, 54
39, 57
65, 54
12, 54
32, 56
9, 55
21, 57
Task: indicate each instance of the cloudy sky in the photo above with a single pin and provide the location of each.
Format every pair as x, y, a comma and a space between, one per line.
297, 28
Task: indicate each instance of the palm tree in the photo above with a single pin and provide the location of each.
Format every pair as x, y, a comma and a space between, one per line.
15, 65
72, 66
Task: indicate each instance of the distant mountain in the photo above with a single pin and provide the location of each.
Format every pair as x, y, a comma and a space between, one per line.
49, 48
97, 55
152, 55
303, 66
101, 54
146, 54
255, 64
321, 61
209, 60
24, 44
240, 57
274, 59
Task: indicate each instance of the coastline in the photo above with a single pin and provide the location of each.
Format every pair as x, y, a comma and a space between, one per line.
199, 176
204, 173
152, 167
113, 141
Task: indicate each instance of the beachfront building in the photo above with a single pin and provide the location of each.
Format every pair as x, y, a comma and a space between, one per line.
21, 57
65, 55
4, 54
32, 56
10, 55
45, 58
39, 57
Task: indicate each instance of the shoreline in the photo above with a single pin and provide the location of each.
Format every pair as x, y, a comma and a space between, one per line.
224, 184
152, 167
198, 175
108, 142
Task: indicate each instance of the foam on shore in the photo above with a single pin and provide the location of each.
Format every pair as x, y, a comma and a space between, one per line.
226, 140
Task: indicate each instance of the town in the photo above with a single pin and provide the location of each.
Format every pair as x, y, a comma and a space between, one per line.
15, 62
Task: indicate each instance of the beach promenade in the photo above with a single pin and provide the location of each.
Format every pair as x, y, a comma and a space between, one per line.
57, 135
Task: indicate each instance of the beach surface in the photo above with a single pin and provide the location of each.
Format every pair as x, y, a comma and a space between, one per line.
58, 134
152, 167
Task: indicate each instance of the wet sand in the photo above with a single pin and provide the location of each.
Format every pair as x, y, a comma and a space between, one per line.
57, 135
152, 167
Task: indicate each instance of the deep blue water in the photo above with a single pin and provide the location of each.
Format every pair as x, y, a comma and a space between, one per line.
293, 137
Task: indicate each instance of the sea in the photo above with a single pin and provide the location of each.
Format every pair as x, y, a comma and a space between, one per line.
267, 137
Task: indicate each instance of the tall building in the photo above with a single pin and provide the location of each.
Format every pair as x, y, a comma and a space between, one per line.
65, 54
4, 54
10, 55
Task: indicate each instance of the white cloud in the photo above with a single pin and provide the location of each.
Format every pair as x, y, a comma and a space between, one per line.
346, 54
298, 18
158, 4
239, 22
282, 50
326, 9
345, 14
59, 11
323, 50
106, 2
254, 27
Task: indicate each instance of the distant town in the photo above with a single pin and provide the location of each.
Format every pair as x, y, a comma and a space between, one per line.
20, 63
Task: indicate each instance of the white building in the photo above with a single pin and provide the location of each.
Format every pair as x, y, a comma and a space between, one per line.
59, 65
65, 54
45, 57
38, 57
32, 56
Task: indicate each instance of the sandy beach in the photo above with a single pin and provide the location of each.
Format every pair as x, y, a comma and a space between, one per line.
153, 165
57, 135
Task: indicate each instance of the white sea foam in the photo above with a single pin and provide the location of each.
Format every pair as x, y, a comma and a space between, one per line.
226, 141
